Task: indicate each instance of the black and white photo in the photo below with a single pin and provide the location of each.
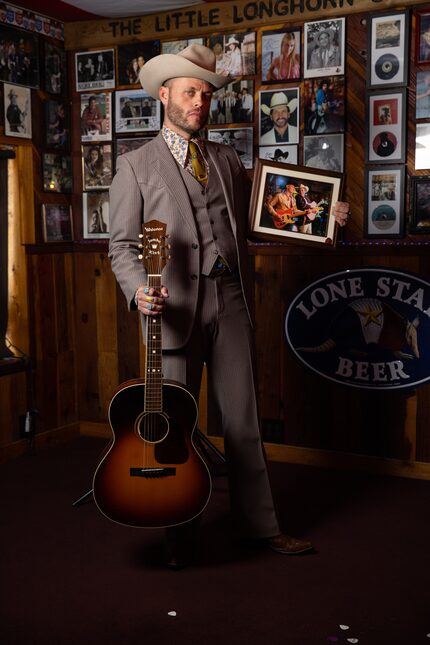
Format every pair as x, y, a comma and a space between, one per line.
324, 43
95, 207
240, 138
17, 111
324, 152
95, 70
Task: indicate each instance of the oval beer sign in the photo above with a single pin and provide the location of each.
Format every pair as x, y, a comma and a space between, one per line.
367, 328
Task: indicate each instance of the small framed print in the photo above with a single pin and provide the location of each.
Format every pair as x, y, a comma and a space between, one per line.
136, 111
95, 208
292, 203
17, 111
235, 53
176, 46
280, 55
324, 48
422, 146
422, 32
97, 166
55, 69
57, 172
233, 103
279, 116
324, 100
422, 102
420, 205
388, 47
386, 124
96, 117
95, 70
57, 222
384, 201
132, 57
279, 154
57, 123
240, 138
324, 151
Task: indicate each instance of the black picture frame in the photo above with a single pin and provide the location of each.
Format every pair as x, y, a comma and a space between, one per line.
388, 49
384, 201
422, 37
278, 65
22, 65
55, 69
386, 126
57, 222
419, 216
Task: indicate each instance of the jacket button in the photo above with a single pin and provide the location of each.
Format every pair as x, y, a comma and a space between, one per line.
195, 246
193, 276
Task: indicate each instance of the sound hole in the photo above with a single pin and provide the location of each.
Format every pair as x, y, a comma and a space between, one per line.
153, 426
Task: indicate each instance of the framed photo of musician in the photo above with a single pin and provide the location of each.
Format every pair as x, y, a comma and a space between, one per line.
388, 47
55, 69
95, 70
57, 172
235, 53
420, 205
240, 138
96, 117
324, 43
136, 111
57, 222
292, 204
176, 46
384, 201
280, 55
17, 111
57, 123
279, 116
386, 125
95, 206
324, 151
20, 59
233, 103
131, 58
324, 105
422, 35
97, 166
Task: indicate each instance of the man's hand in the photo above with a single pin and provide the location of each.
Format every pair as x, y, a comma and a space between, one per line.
340, 212
151, 302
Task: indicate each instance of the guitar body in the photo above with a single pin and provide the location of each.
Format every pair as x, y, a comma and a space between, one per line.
286, 216
152, 475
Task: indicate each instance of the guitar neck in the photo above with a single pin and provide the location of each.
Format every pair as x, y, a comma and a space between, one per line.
153, 361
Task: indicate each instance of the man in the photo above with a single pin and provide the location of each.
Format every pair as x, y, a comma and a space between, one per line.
282, 206
206, 294
247, 106
92, 118
325, 54
304, 203
279, 111
14, 115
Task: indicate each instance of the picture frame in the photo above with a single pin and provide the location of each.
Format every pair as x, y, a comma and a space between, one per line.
57, 172
324, 105
57, 123
325, 152
95, 210
422, 37
95, 70
388, 49
419, 220
384, 201
57, 224
242, 140
280, 56
386, 126
136, 111
275, 126
235, 53
127, 144
292, 204
17, 111
279, 154
21, 60
324, 48
130, 59
422, 146
55, 69
96, 116
96, 166
176, 46
422, 98
233, 103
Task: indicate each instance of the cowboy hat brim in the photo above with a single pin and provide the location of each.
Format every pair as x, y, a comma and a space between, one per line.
292, 105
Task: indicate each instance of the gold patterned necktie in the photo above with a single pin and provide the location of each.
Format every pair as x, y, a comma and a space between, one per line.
198, 163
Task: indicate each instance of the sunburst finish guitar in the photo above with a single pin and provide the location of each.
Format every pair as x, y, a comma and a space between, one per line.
152, 474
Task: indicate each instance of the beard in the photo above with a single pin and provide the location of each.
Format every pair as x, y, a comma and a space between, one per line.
179, 118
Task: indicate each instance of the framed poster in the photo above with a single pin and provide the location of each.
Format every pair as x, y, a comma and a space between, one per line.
324, 109
95, 70
233, 103
422, 35
290, 203
422, 146
17, 111
57, 172
95, 206
57, 222
324, 42
132, 57
422, 102
280, 55
136, 111
19, 59
57, 123
419, 221
386, 125
96, 117
324, 151
240, 138
388, 49
97, 166
279, 116
235, 53
55, 69
384, 201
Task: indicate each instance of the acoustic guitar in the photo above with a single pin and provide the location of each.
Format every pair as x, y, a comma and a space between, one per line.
152, 475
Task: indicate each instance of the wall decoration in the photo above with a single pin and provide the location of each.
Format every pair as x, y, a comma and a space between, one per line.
132, 57
96, 117
97, 166
55, 69
324, 48
135, 111
279, 116
57, 172
175, 46
422, 104
280, 55
233, 103
422, 35
388, 47
131, 143
386, 125
57, 222
19, 60
240, 138
290, 203
235, 53
96, 214
280, 154
385, 201
17, 111
95, 70
422, 146
324, 152
57, 120
420, 205
324, 100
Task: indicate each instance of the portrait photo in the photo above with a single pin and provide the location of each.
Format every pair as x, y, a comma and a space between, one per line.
55, 60
95, 70
423, 37
132, 57
422, 102
280, 55
97, 166
420, 205
279, 116
240, 138
279, 154
235, 53
95, 206
324, 109
233, 103
17, 111
385, 201
96, 117
57, 123
57, 172
324, 43
176, 46
136, 110
57, 222
19, 60
324, 152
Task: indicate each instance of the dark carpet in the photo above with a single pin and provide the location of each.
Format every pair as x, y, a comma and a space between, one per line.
70, 576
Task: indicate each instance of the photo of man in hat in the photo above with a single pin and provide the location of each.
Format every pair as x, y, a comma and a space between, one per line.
279, 106
323, 47
17, 111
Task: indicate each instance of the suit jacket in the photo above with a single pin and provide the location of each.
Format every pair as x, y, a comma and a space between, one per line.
148, 185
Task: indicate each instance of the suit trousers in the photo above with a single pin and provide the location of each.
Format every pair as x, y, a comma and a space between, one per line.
222, 338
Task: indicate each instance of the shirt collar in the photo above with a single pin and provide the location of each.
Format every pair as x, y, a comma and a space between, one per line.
178, 146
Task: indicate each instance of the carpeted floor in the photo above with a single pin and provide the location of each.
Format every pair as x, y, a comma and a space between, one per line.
69, 576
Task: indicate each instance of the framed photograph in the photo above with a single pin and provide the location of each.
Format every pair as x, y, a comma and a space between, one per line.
240, 138
135, 111
97, 166
57, 123
422, 34
388, 49
95, 208
132, 57
17, 111
279, 154
386, 125
57, 172
96, 117
55, 69
422, 146
385, 201
324, 109
57, 222
325, 152
292, 204
279, 116
131, 143
95, 70
280, 55
324, 43
419, 221
233, 103
422, 103
235, 53
19, 62
176, 46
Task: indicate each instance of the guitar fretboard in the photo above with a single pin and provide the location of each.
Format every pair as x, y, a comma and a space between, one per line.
153, 362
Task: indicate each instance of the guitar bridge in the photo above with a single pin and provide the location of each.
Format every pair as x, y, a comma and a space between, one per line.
152, 472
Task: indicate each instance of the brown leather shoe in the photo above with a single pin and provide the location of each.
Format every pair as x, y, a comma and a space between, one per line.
288, 545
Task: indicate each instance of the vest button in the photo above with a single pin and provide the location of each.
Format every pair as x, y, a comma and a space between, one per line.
195, 246
193, 276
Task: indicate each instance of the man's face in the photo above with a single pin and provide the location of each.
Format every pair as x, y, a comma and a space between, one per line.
280, 116
186, 102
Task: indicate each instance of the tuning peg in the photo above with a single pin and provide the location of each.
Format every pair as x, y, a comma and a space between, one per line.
140, 236
140, 256
140, 246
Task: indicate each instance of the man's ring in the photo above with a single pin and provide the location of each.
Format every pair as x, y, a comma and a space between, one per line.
149, 306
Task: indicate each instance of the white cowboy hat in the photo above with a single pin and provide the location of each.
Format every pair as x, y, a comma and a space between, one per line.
329, 33
232, 41
195, 61
278, 99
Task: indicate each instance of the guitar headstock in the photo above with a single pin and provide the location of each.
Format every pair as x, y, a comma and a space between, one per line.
153, 254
